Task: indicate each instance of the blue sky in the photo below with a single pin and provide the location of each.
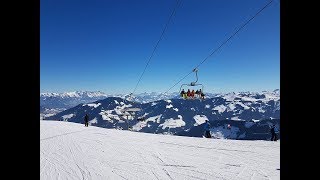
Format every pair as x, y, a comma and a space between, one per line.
104, 45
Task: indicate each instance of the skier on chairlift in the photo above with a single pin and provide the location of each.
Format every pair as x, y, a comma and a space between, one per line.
183, 94
188, 94
201, 94
196, 93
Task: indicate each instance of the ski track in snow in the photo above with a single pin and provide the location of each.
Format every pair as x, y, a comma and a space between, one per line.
72, 151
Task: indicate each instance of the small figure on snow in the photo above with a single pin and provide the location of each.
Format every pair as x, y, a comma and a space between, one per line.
207, 127
273, 133
86, 120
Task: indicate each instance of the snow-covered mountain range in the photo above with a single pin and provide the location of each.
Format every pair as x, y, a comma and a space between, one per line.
243, 111
52, 103
69, 99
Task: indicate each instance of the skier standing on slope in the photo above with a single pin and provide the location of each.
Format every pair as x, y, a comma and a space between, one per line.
273, 133
207, 129
86, 119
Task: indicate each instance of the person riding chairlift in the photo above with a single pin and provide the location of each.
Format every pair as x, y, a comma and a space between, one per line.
188, 93
197, 93
201, 94
183, 94
192, 94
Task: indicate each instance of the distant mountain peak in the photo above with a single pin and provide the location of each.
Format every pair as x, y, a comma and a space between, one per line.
75, 94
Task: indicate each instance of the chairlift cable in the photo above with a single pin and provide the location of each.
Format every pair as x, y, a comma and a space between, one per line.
223, 43
156, 46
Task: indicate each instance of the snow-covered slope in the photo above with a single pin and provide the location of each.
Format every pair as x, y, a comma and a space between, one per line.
72, 151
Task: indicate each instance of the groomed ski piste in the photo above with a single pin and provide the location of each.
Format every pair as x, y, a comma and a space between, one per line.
73, 151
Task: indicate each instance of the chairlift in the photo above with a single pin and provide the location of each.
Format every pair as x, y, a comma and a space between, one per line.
193, 84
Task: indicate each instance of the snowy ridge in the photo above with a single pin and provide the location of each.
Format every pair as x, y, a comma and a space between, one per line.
183, 117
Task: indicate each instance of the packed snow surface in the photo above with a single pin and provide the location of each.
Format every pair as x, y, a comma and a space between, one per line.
73, 151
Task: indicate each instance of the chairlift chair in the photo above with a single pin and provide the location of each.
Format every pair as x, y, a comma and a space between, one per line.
192, 84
